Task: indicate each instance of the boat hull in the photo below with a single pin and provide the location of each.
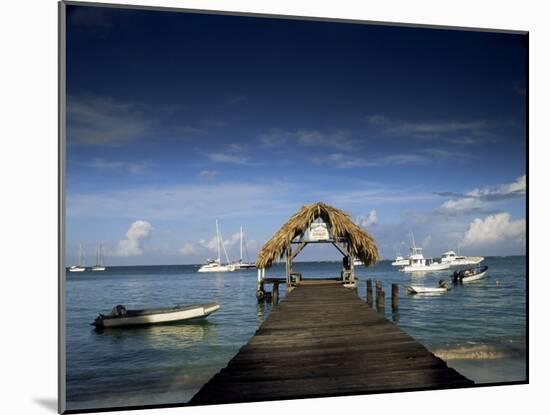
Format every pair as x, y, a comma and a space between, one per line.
400, 263
425, 268
475, 277
77, 269
99, 268
159, 316
221, 268
425, 290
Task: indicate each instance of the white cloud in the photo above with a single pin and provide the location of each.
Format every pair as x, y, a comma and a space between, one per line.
188, 249
481, 198
95, 120
339, 139
138, 232
367, 221
503, 191
184, 201
209, 174
114, 165
345, 161
228, 158
494, 229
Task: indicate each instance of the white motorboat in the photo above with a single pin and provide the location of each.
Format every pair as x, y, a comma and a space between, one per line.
469, 275
216, 264
99, 259
400, 261
453, 259
80, 267
242, 264
417, 262
120, 316
415, 289
357, 262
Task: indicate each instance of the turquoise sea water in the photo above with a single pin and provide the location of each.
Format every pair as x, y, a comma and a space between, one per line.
479, 328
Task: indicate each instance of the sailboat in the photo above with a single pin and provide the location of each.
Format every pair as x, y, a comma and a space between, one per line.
99, 259
215, 265
241, 264
79, 267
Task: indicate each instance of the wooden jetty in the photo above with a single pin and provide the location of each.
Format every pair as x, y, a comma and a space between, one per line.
322, 340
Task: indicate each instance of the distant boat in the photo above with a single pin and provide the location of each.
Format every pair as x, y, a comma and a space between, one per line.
357, 262
417, 262
216, 264
99, 259
470, 274
415, 289
120, 317
244, 264
453, 259
400, 261
80, 267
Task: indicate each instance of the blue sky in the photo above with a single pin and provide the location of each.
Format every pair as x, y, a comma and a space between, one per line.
175, 119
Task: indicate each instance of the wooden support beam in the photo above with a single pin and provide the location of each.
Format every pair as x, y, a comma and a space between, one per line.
299, 249
342, 251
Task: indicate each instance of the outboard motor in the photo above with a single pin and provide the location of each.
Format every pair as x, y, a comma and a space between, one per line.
119, 310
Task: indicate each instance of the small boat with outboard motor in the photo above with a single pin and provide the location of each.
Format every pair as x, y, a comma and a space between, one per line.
416, 289
120, 316
469, 274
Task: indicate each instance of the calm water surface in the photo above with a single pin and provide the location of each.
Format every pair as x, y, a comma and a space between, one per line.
478, 328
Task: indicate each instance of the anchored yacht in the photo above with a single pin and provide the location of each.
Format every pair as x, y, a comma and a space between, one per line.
418, 263
453, 259
216, 265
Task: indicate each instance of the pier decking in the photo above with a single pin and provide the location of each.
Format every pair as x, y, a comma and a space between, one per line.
322, 340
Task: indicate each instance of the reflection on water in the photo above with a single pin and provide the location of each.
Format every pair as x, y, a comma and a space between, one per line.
165, 336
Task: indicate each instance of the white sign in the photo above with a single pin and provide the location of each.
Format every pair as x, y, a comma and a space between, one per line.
318, 232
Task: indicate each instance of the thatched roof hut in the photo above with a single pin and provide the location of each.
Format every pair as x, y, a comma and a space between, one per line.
358, 243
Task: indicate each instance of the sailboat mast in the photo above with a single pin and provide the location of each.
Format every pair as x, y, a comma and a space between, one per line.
218, 238
79, 255
241, 257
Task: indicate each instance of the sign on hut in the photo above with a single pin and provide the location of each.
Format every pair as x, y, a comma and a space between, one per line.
315, 223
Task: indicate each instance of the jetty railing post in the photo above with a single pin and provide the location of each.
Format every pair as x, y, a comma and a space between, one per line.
380, 296
394, 297
369, 292
275, 292
260, 291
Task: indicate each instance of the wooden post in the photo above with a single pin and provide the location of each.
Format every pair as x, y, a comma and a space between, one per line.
275, 292
394, 296
380, 296
260, 292
380, 300
369, 292
378, 288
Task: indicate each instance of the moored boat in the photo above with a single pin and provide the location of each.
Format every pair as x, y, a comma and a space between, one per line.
470, 274
80, 267
216, 264
242, 264
99, 259
400, 261
120, 316
454, 260
415, 289
417, 263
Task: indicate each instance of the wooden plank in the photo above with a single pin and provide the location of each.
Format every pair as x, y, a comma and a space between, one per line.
322, 340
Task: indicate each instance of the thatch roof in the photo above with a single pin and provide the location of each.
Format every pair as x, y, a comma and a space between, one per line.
362, 245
